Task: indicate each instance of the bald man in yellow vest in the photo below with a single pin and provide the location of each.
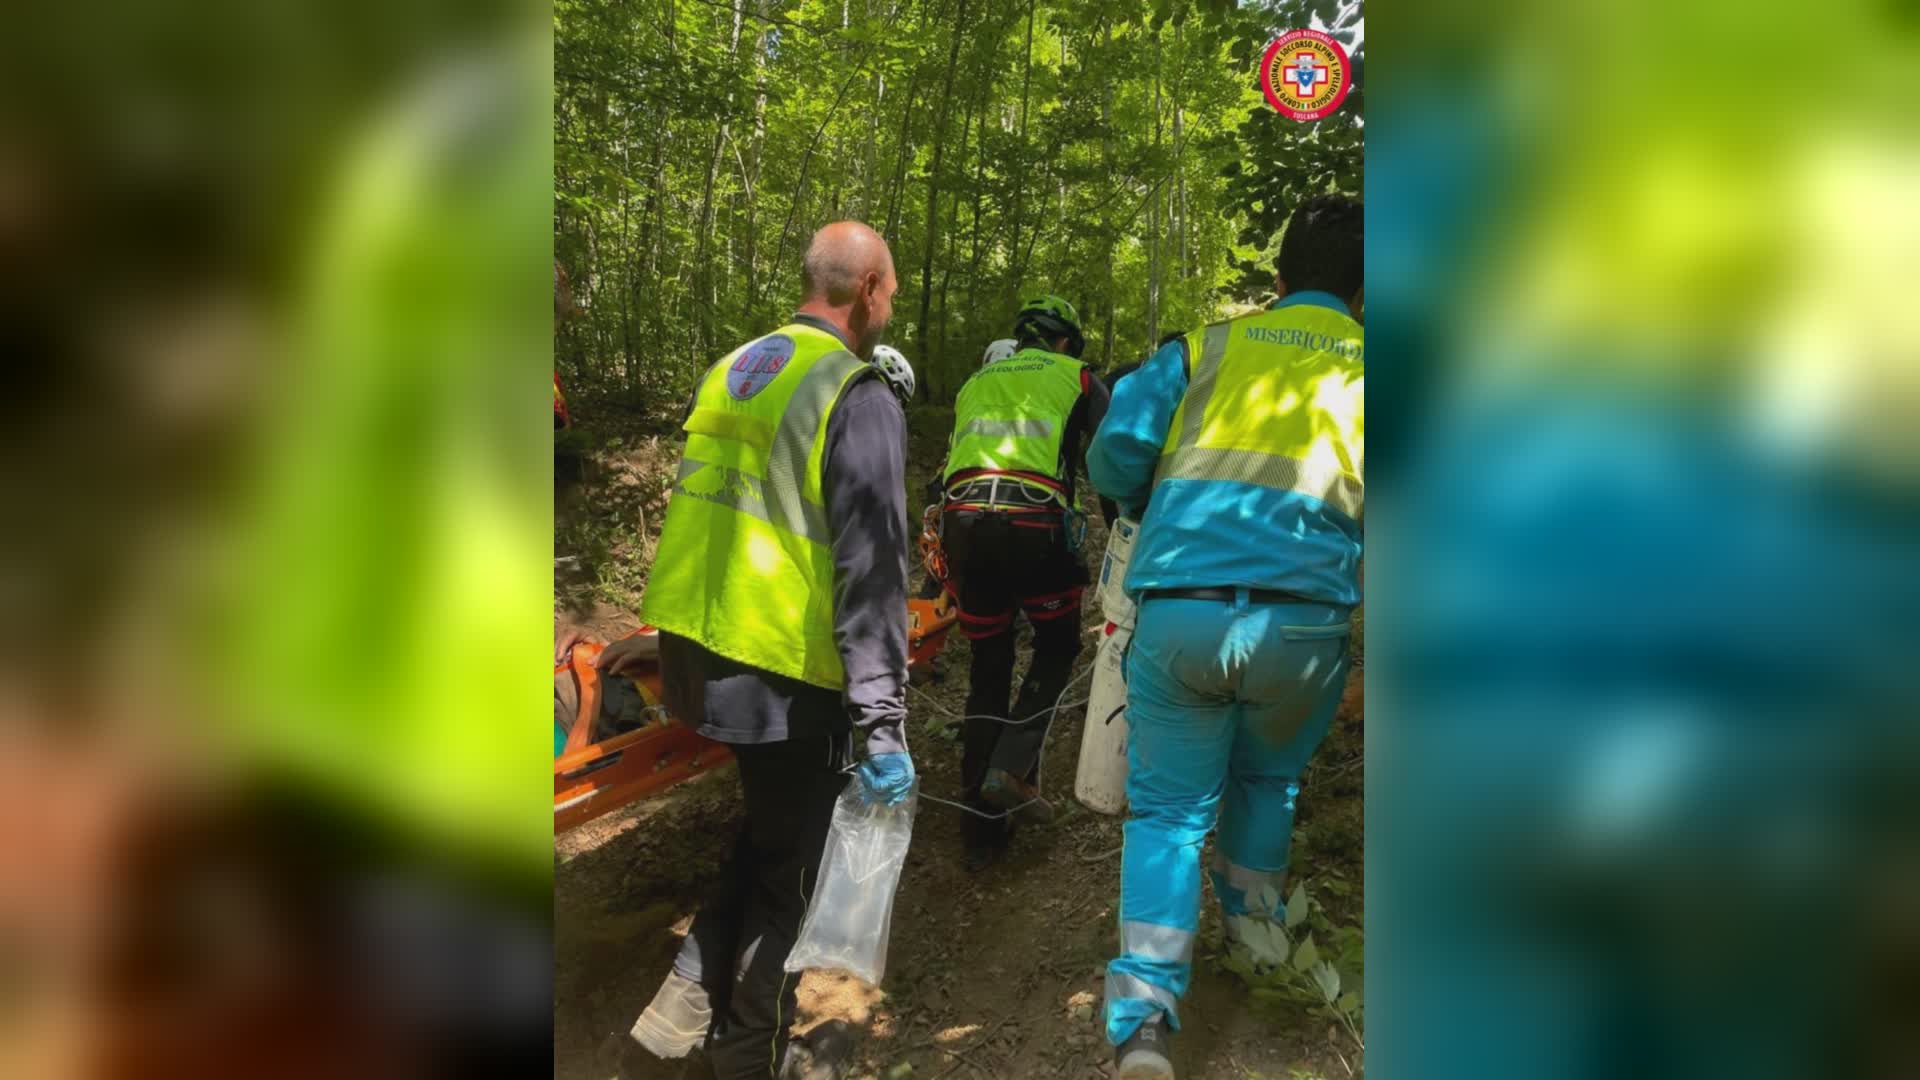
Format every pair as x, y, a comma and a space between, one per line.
780, 589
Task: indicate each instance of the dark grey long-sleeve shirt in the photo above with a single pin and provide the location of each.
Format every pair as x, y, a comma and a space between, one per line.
864, 483
1082, 422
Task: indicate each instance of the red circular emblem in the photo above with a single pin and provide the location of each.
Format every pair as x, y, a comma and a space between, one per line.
1305, 74
757, 365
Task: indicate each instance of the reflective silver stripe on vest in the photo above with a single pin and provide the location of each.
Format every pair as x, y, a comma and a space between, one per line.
1329, 484
1213, 349
793, 444
1162, 944
1017, 429
732, 488
1325, 482
1126, 986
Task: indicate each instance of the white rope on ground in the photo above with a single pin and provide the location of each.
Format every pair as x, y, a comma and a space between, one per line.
935, 702
1039, 763
977, 813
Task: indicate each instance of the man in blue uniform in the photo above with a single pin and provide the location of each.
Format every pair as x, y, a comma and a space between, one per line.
1239, 446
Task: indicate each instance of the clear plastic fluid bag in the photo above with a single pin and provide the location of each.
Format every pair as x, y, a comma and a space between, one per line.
851, 915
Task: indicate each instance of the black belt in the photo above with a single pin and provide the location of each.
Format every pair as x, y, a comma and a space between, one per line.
1227, 593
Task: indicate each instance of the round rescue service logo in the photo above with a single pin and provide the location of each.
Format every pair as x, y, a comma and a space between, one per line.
1306, 74
757, 364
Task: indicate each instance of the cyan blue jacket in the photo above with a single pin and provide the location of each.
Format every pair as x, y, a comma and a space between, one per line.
1201, 533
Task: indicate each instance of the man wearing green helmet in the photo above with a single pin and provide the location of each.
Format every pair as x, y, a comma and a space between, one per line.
1020, 424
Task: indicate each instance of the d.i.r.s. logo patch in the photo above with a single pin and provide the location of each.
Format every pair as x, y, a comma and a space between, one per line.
758, 364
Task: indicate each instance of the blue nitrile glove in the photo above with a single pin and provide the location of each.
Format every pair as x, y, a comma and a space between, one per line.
886, 778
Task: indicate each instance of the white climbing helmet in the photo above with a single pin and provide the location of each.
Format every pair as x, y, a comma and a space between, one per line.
999, 350
894, 368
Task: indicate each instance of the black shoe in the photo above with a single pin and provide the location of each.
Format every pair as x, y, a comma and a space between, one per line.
1145, 1056
821, 1054
1004, 791
980, 857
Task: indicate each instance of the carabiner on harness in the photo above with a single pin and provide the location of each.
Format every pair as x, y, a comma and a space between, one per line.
1076, 529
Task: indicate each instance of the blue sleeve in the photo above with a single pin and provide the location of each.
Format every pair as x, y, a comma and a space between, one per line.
1125, 449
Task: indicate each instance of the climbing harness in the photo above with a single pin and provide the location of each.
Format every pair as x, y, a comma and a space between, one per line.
1004, 491
1017, 496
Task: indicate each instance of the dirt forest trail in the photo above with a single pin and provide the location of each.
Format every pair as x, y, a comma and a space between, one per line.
995, 975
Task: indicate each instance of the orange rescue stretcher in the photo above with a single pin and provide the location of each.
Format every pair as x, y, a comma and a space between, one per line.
929, 618
927, 624
591, 778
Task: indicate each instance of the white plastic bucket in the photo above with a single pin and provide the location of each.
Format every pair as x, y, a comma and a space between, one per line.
1101, 780
1114, 603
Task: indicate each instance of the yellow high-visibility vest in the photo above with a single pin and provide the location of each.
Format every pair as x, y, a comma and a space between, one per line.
1011, 416
1275, 399
745, 561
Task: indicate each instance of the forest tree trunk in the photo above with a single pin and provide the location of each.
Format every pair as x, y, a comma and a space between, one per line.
1020, 157
927, 348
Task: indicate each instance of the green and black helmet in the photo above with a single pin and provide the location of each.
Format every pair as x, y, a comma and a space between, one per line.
1047, 317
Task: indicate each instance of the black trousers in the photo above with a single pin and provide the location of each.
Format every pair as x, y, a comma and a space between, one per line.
741, 937
998, 566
